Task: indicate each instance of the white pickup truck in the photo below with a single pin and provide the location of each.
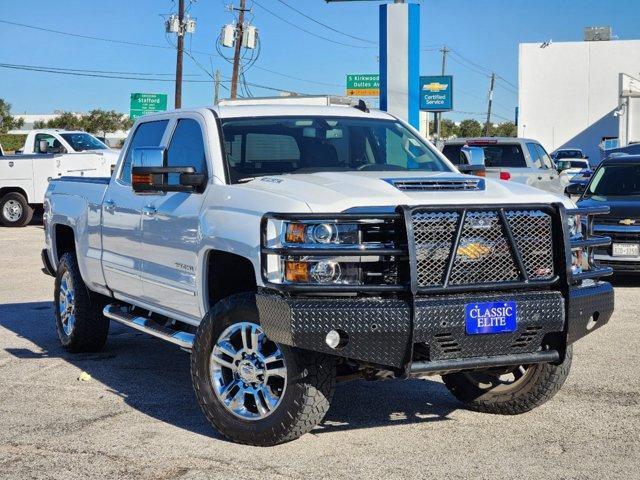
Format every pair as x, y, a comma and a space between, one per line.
287, 246
47, 154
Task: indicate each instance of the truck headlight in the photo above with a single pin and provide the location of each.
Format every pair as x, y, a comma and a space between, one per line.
327, 252
321, 271
322, 233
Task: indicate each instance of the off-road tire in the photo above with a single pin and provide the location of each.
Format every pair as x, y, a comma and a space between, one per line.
91, 327
27, 211
543, 383
306, 399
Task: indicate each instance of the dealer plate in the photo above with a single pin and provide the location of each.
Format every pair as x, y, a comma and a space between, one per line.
490, 317
626, 250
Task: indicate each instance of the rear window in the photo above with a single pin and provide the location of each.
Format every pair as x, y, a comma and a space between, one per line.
504, 155
499, 156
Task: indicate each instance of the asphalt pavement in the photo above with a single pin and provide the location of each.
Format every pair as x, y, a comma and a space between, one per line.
129, 411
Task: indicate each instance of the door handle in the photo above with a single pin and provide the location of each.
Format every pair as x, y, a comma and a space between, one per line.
149, 211
109, 205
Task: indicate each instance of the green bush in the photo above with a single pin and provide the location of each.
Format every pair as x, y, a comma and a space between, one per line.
11, 143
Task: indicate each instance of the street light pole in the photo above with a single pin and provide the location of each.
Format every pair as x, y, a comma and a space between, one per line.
179, 56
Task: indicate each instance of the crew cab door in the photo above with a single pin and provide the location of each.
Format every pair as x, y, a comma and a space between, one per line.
122, 218
171, 226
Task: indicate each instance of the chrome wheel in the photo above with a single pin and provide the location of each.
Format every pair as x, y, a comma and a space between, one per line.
12, 210
66, 304
248, 372
500, 380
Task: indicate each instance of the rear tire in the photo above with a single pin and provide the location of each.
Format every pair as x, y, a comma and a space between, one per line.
80, 324
239, 398
485, 391
14, 210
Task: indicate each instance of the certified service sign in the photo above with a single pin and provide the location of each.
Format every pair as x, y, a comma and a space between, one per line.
436, 93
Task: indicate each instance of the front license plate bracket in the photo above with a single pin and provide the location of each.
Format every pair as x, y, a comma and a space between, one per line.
491, 317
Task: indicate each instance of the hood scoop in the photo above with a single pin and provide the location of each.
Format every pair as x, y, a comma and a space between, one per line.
436, 184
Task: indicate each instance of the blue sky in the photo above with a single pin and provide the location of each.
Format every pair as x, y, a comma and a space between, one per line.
485, 32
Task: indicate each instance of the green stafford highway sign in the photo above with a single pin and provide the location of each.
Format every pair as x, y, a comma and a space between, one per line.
146, 103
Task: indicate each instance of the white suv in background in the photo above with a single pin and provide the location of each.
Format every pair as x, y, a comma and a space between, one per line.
519, 160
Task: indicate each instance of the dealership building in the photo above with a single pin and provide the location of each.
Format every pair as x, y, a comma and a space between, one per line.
580, 94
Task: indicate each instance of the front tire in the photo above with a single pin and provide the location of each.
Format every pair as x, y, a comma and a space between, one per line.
252, 390
509, 391
80, 324
14, 210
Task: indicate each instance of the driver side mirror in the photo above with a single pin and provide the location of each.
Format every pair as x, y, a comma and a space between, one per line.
575, 189
149, 173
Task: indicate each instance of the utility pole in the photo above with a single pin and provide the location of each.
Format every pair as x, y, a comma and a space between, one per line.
238, 49
438, 115
180, 55
216, 83
487, 126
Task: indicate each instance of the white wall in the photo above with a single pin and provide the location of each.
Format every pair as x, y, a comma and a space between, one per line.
568, 91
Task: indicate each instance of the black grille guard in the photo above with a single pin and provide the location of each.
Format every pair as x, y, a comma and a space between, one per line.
562, 246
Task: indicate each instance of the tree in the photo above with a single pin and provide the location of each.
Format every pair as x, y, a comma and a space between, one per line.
103, 121
7, 122
470, 128
448, 129
66, 121
506, 129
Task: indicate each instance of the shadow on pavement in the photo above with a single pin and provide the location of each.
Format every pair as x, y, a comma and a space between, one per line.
154, 378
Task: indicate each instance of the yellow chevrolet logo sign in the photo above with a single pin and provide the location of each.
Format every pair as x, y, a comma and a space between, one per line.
435, 86
627, 221
474, 251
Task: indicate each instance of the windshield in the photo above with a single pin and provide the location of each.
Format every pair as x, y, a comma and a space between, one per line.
569, 154
566, 164
274, 146
83, 141
616, 181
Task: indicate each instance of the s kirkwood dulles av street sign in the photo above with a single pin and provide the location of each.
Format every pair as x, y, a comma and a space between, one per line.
363, 85
145, 103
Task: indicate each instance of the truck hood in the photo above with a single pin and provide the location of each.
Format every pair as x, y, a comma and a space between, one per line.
339, 191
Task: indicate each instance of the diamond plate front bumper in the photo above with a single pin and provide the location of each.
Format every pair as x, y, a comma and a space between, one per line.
383, 331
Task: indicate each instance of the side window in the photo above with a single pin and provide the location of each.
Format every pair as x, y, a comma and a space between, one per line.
148, 134
50, 139
535, 155
546, 161
186, 149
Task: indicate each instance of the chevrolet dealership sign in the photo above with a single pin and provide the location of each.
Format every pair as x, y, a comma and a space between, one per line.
436, 93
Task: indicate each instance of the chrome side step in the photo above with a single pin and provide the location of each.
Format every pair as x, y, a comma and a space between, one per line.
147, 325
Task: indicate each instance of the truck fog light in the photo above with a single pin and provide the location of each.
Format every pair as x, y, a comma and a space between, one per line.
336, 339
323, 233
326, 271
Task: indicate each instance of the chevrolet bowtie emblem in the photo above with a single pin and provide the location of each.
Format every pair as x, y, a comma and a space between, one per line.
627, 221
474, 251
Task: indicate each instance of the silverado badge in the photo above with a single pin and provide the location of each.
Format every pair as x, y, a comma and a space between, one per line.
627, 221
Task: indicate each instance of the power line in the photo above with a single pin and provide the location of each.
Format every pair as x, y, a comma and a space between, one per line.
325, 25
87, 73
150, 45
305, 30
86, 37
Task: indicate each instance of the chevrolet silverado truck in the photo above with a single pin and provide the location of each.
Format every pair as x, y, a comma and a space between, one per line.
47, 154
289, 246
